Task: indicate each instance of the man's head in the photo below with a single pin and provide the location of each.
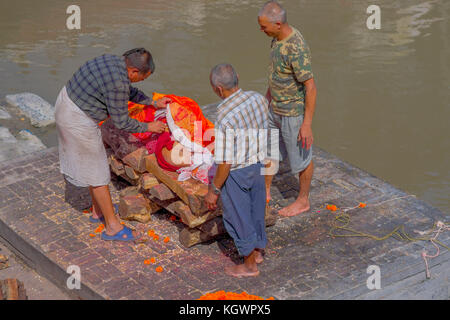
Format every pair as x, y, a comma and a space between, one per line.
271, 18
224, 80
139, 64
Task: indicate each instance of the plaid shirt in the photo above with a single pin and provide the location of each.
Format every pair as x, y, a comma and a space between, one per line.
241, 129
101, 87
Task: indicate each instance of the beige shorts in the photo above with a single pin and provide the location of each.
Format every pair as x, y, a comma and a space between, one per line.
82, 155
290, 148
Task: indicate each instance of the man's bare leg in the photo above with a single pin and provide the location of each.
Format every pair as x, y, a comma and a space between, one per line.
247, 269
102, 198
96, 211
270, 168
301, 204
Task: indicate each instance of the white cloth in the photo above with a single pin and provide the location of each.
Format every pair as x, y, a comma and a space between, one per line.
82, 155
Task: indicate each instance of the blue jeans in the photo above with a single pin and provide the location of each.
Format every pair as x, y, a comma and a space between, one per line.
244, 205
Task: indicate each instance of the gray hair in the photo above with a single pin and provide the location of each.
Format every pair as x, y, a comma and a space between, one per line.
274, 12
224, 75
140, 59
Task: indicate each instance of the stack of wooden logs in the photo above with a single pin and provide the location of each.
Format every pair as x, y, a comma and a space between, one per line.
154, 188
12, 289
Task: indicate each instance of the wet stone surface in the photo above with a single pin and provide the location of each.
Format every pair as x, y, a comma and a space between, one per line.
302, 260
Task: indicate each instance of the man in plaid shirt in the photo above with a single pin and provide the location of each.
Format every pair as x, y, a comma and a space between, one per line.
240, 147
101, 88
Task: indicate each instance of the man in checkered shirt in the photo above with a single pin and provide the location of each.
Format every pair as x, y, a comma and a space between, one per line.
240, 147
101, 88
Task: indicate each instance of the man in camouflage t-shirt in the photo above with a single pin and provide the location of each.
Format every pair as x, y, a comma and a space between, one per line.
292, 97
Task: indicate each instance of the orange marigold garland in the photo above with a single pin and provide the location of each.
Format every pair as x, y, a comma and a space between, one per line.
222, 295
159, 269
332, 207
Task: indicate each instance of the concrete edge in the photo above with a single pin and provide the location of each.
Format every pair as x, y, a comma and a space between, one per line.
44, 266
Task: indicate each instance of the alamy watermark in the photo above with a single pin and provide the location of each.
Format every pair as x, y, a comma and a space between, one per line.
233, 146
374, 20
74, 280
74, 20
374, 280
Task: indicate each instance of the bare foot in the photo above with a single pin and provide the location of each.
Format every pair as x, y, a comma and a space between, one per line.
259, 258
297, 207
95, 214
240, 270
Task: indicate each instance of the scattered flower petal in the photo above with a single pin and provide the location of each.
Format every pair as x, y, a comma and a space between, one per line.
222, 295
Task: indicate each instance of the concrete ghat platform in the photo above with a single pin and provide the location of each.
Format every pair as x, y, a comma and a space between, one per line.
41, 219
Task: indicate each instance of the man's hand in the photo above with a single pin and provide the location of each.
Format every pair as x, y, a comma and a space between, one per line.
162, 103
305, 134
211, 200
157, 126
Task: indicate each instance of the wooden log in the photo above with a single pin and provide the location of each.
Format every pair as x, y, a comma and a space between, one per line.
192, 192
136, 159
191, 236
161, 192
148, 181
12, 289
129, 171
120, 141
116, 166
135, 207
185, 213
213, 228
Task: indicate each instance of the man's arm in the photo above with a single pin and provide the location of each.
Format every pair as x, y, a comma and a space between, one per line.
117, 104
138, 96
223, 170
305, 134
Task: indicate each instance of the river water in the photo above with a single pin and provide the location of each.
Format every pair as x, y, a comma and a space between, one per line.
383, 95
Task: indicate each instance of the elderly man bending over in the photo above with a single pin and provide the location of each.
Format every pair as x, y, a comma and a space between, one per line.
98, 89
238, 179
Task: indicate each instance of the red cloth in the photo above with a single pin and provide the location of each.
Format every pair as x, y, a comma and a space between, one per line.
164, 140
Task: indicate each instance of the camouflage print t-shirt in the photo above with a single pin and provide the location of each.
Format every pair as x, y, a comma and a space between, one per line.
289, 67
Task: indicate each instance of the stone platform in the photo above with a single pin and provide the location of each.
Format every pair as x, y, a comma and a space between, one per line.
41, 219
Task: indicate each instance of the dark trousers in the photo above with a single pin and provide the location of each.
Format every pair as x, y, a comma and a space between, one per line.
244, 203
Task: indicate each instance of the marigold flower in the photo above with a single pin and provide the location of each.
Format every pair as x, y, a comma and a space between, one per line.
91, 235
152, 260
100, 228
159, 269
146, 261
156, 237
166, 239
222, 295
362, 205
89, 210
331, 207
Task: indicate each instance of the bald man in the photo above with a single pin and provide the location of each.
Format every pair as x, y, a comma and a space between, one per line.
292, 99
